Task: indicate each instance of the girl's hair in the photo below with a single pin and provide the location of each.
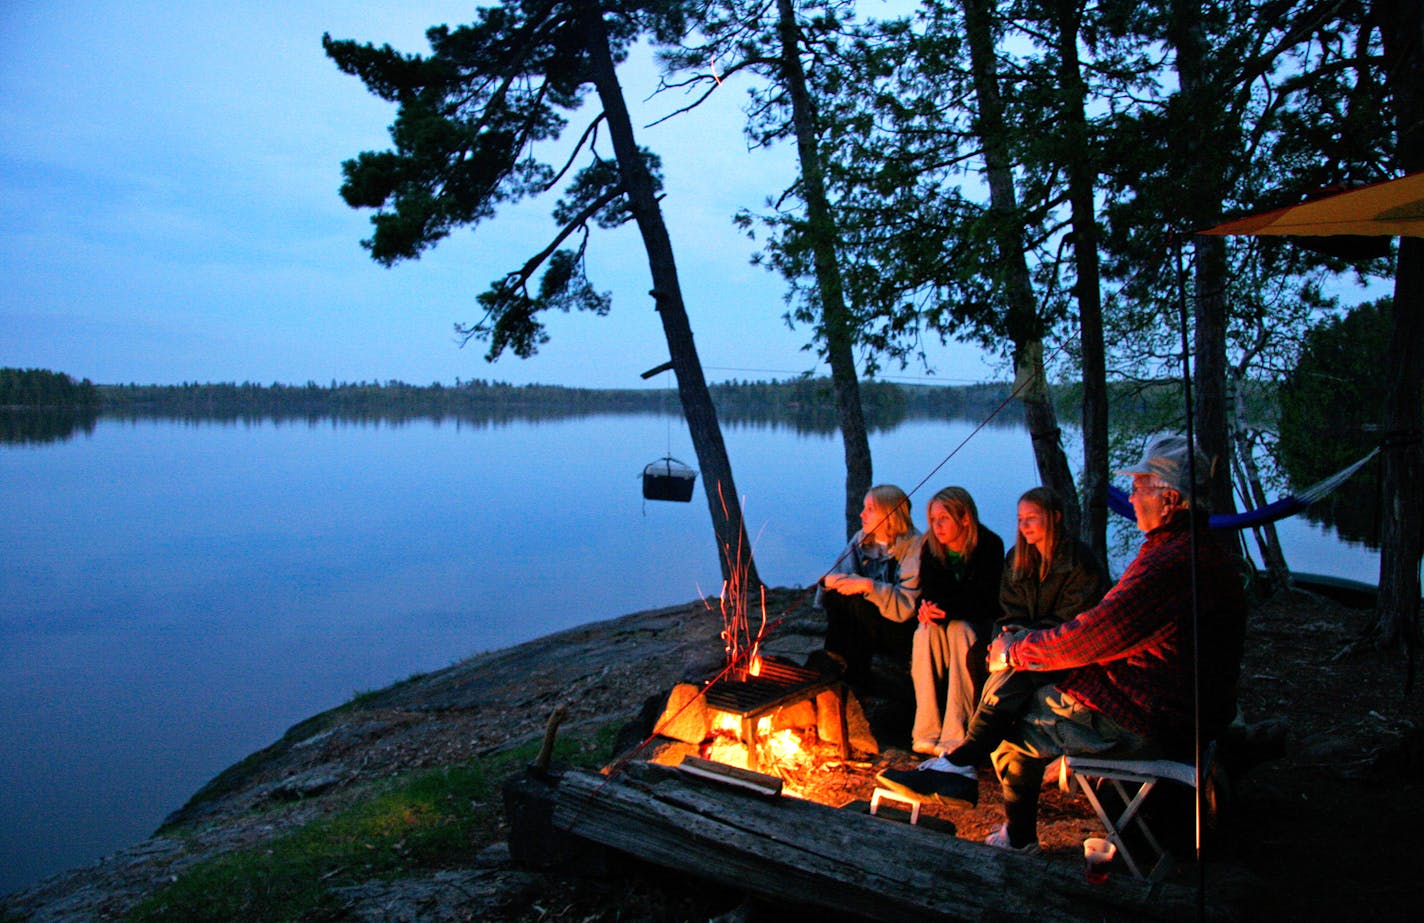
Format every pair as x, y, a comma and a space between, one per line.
894, 508
957, 503
1026, 557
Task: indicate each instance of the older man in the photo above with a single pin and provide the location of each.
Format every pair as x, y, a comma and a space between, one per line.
1130, 691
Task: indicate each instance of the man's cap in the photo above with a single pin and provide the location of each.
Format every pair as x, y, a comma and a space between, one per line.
1166, 458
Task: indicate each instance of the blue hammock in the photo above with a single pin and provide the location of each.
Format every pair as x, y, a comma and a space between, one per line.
1280, 509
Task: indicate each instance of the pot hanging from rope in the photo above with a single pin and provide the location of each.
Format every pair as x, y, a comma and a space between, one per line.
668, 479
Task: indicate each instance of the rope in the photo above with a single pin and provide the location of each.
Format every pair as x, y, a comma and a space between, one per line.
1316, 491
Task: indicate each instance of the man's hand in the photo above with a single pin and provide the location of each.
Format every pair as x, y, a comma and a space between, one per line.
999, 653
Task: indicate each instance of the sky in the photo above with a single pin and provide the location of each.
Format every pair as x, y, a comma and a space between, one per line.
170, 174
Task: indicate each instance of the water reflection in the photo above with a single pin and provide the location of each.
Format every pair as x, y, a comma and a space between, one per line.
38, 427
805, 406
1352, 510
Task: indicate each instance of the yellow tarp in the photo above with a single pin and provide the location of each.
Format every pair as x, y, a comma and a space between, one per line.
1394, 208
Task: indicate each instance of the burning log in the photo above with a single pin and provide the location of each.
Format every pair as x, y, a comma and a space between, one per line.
794, 853
755, 782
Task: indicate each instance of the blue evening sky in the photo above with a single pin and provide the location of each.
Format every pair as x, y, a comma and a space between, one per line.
170, 173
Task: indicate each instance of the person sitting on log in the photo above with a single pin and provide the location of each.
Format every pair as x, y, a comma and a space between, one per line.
1048, 578
869, 594
961, 561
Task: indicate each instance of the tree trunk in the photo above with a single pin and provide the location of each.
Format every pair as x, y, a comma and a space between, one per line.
734, 550
1022, 320
1204, 144
1403, 455
1401, 25
836, 322
1248, 476
1209, 375
1082, 177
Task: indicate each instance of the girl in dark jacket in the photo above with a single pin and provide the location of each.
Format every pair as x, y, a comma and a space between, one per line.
960, 567
1048, 578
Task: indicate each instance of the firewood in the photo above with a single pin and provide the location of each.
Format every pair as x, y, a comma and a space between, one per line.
758, 783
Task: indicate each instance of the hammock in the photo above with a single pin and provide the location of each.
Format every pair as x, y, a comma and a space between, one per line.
1280, 509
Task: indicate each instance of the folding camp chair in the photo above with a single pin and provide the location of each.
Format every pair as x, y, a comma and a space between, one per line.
1133, 780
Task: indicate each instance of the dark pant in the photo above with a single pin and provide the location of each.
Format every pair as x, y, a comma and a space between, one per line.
1007, 694
855, 630
1053, 724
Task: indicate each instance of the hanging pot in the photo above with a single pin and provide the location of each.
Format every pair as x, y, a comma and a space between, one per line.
668, 479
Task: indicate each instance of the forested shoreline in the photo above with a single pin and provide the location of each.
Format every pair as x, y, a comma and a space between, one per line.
41, 389
806, 403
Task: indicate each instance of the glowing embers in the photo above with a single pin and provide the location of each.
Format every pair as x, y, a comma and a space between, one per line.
778, 710
786, 724
784, 744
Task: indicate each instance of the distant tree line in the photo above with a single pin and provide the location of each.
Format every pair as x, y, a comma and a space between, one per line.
804, 403
42, 389
39, 406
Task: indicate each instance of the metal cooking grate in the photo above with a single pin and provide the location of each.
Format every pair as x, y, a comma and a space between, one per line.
778, 684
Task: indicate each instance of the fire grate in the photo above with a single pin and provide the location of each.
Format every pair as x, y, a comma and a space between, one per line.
776, 685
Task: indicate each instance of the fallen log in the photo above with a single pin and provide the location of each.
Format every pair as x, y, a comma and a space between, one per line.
800, 854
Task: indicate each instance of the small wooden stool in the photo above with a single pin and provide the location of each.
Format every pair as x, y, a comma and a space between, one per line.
888, 795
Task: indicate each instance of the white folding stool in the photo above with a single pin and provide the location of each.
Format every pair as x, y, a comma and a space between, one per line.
1144, 774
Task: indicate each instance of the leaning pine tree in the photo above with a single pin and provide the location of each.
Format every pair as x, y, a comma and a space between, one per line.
470, 114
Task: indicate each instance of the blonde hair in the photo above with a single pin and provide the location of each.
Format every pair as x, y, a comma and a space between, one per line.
894, 508
957, 503
1026, 557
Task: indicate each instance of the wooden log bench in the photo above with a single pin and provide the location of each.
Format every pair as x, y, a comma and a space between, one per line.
792, 853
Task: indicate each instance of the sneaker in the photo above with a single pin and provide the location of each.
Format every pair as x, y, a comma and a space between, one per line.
947, 788
926, 747
999, 839
941, 763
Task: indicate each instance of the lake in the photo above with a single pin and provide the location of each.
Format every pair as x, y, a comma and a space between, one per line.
175, 595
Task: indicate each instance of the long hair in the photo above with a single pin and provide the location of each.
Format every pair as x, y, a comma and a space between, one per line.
957, 503
894, 509
1027, 558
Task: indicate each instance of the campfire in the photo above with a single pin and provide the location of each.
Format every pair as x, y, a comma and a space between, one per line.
783, 721
760, 714
782, 752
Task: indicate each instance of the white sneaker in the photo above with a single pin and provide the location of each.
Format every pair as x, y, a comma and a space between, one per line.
941, 764
999, 839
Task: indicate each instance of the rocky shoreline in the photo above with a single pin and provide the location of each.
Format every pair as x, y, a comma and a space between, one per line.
1354, 767
601, 671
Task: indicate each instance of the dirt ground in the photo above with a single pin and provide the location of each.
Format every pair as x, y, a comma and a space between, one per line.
1326, 820
1333, 828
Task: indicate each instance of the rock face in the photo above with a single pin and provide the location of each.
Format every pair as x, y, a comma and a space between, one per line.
1354, 762
482, 704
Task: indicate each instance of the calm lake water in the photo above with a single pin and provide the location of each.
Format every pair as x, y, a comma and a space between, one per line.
174, 596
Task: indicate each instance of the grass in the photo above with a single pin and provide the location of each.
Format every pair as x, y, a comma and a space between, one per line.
240, 774
420, 821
